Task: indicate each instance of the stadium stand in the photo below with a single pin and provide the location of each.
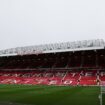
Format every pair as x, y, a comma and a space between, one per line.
75, 63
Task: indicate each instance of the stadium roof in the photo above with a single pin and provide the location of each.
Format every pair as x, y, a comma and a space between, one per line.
57, 47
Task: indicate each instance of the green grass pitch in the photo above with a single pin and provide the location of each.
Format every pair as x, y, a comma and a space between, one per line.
48, 95
103, 99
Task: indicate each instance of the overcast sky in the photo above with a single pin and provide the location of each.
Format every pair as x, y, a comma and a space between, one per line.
31, 22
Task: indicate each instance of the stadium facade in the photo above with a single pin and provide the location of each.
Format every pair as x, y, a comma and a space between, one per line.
70, 63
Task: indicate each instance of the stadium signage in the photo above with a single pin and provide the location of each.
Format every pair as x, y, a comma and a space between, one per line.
29, 53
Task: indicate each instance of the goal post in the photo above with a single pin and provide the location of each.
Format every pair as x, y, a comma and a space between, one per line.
102, 94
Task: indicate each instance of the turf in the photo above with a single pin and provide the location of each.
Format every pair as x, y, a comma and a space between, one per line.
48, 95
103, 99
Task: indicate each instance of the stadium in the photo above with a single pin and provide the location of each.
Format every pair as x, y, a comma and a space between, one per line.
52, 52
69, 73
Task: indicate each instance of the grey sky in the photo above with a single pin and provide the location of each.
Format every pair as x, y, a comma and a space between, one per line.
31, 22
